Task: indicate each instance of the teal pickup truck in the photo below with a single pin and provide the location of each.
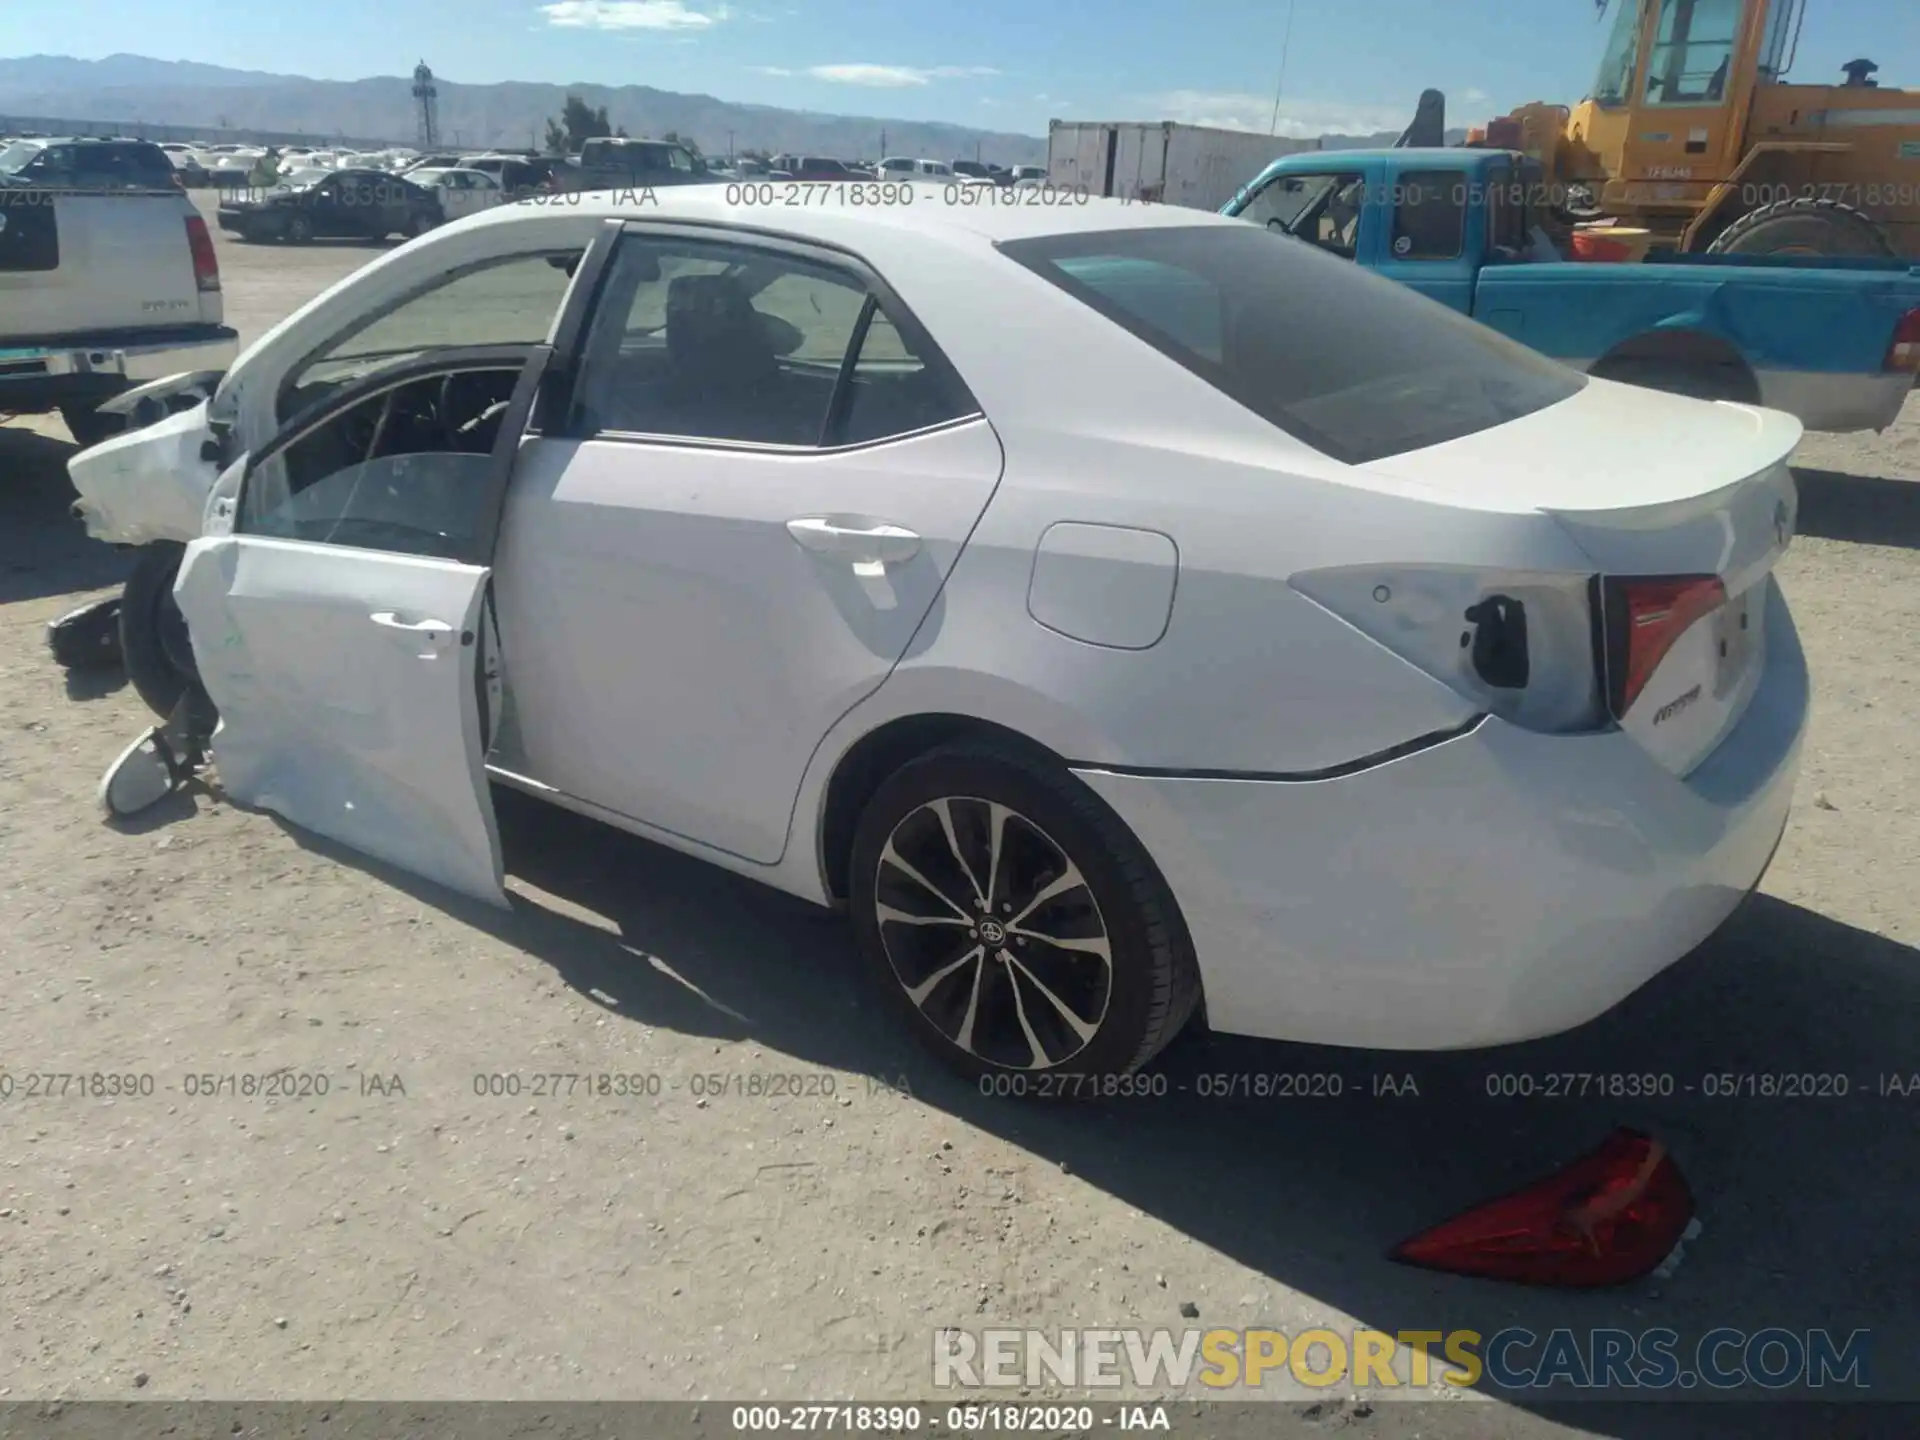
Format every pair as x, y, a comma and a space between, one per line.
1834, 342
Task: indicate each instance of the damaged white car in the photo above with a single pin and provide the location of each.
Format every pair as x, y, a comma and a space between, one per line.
1118, 609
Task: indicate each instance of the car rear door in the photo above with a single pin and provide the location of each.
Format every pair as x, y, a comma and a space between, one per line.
338, 604
732, 537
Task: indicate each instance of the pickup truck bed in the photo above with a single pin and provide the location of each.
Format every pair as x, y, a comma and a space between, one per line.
100, 292
1836, 344
1813, 341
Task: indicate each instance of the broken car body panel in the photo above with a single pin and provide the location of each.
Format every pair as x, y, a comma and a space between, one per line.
335, 613
146, 485
341, 678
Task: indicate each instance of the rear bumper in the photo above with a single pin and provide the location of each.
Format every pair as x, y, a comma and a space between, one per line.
1492, 888
1836, 402
89, 368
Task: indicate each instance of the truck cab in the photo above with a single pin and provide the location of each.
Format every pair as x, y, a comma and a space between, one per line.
1431, 221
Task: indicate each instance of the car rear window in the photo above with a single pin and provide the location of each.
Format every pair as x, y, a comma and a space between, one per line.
1355, 365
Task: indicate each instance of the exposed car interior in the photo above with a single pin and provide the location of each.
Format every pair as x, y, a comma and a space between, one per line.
399, 470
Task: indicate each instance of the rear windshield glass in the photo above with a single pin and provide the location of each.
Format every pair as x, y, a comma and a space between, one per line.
1356, 366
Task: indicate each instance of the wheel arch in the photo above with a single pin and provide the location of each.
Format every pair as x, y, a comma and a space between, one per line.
1682, 343
869, 760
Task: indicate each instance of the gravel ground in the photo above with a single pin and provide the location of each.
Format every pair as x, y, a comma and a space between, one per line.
405, 1236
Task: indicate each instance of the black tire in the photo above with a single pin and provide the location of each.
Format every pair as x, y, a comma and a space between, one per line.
1805, 226
88, 426
153, 633
1700, 380
1151, 983
299, 229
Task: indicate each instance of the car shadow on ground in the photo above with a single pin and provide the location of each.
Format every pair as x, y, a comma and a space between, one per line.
1804, 1200
44, 549
1863, 509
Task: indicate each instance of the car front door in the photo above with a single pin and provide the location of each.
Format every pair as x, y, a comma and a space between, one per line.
327, 205
338, 606
732, 535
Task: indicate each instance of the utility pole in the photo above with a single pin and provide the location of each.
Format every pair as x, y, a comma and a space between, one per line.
883, 144
729, 147
1286, 39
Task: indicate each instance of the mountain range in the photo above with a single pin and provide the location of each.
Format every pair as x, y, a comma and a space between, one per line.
138, 93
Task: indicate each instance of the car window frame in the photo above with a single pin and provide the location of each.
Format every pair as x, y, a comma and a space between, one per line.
565, 423
535, 363
438, 280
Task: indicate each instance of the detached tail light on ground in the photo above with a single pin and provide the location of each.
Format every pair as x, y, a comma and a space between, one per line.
1643, 618
1610, 1217
1904, 351
206, 265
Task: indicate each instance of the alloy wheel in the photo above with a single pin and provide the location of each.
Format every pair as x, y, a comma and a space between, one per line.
993, 933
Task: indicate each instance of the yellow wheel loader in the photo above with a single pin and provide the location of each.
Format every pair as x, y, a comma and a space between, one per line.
1694, 140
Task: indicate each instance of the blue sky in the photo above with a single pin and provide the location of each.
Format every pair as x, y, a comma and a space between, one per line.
1352, 65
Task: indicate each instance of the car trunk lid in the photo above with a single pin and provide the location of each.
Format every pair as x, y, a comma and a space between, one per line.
1683, 507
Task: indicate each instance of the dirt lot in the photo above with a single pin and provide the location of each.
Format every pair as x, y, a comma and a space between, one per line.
406, 1236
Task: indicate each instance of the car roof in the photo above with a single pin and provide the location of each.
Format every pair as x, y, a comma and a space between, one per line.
1439, 157
835, 220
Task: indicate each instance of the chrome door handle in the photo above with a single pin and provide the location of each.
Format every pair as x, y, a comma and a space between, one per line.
423, 629
882, 543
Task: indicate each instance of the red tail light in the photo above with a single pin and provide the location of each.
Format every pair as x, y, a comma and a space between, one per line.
1904, 351
1609, 1217
206, 265
1643, 619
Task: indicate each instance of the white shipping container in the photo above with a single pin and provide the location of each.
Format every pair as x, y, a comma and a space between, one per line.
1160, 161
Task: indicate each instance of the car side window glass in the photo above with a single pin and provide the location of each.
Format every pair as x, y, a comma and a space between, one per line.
725, 343
1508, 233
679, 159
1332, 221
716, 342
893, 391
1279, 202
508, 302
1430, 215
408, 468
55, 165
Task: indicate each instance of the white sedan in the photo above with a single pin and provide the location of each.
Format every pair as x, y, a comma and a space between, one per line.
1120, 610
462, 192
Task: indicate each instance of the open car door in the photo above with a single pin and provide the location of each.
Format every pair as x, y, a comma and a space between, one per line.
339, 606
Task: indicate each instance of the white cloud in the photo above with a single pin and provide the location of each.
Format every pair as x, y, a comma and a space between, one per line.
883, 77
1475, 96
1299, 119
631, 15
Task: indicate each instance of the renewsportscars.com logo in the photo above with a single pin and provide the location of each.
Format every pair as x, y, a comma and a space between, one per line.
1222, 1362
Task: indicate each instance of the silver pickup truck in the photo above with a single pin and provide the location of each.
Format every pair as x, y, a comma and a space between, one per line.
101, 288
